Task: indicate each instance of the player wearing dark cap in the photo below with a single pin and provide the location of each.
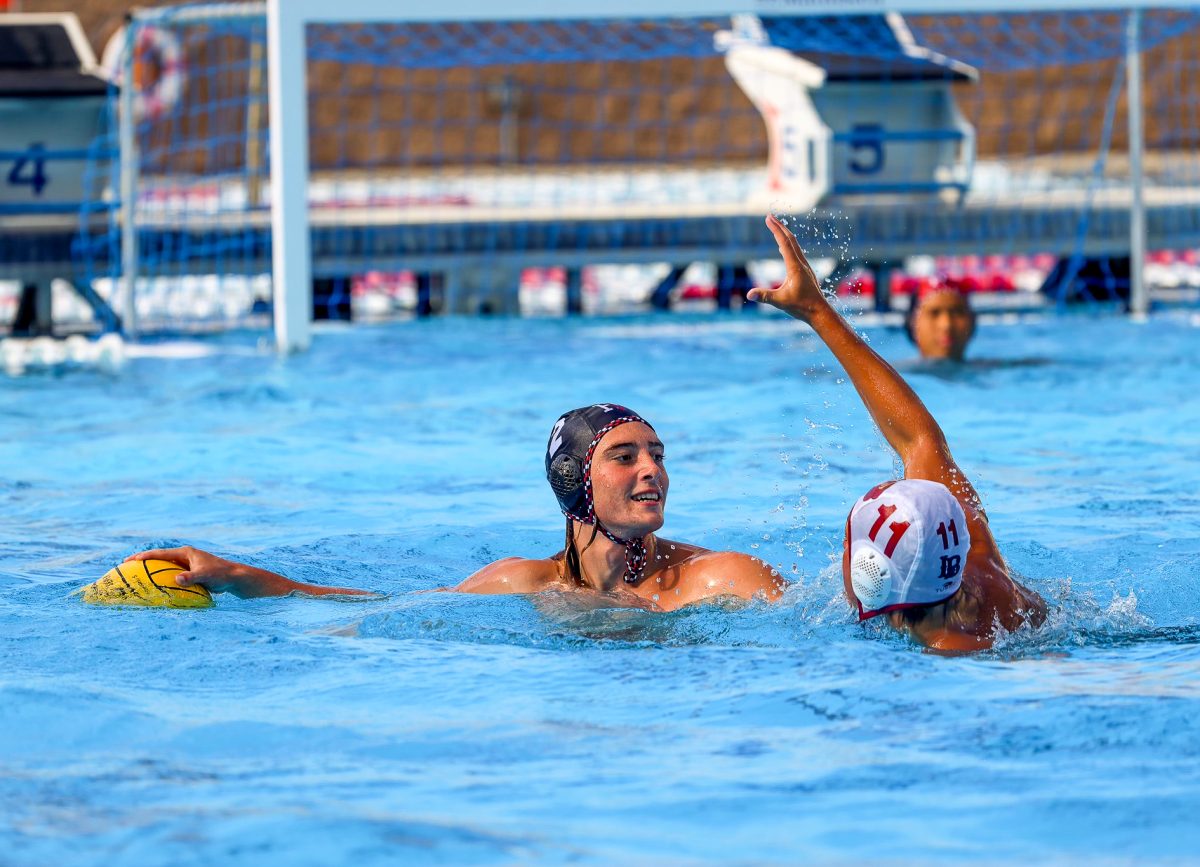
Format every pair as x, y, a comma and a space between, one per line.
605, 464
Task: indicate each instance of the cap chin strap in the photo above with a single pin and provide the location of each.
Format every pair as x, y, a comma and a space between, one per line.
635, 554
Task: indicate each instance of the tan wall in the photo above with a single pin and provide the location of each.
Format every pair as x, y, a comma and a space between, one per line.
696, 113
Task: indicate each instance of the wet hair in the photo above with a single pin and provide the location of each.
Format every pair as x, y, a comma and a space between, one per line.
572, 555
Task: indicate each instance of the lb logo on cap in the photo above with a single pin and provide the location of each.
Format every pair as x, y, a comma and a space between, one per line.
908, 544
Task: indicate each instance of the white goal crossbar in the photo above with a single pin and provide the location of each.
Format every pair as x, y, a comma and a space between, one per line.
289, 147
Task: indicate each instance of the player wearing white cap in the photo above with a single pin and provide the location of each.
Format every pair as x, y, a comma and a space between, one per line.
918, 550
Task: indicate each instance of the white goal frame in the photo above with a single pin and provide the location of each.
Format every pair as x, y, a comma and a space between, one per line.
287, 83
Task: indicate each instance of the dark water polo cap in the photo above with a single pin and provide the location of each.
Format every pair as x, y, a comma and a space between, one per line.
569, 454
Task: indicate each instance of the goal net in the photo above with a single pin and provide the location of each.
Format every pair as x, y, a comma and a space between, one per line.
498, 165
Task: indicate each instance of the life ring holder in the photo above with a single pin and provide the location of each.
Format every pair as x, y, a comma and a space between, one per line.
154, 46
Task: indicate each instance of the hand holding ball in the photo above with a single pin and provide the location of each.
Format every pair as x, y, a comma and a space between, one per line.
149, 583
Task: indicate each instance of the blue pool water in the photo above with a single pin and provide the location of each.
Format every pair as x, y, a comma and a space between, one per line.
424, 728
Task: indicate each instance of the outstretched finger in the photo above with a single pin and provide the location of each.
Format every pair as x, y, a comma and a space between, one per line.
793, 241
789, 247
186, 579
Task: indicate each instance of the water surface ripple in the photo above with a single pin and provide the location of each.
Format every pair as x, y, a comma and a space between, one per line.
434, 727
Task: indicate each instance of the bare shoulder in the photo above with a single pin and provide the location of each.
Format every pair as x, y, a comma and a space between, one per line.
513, 575
729, 573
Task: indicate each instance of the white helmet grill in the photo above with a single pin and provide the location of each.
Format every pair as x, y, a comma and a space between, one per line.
871, 578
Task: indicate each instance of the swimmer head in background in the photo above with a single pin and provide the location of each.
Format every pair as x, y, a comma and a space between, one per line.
906, 546
940, 320
569, 454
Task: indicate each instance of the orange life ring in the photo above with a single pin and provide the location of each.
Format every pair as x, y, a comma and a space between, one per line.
159, 69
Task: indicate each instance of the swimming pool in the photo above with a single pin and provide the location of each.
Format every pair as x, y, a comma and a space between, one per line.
443, 728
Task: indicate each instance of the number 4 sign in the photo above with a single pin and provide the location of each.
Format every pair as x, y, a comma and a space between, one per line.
30, 170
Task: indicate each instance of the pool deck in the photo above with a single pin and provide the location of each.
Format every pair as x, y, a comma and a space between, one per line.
483, 244
433, 237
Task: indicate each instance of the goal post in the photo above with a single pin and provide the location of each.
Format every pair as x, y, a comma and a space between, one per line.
287, 80
359, 159
287, 20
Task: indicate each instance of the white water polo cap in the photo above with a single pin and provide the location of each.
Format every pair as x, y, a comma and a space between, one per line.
908, 545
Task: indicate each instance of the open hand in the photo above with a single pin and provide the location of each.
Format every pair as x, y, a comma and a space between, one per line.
800, 293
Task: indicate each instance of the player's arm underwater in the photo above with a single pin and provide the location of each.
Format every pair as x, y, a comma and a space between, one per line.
988, 596
225, 576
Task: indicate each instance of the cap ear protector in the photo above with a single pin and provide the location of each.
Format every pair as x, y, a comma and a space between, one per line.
565, 474
871, 578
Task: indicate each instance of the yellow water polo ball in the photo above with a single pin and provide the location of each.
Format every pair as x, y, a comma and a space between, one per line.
145, 582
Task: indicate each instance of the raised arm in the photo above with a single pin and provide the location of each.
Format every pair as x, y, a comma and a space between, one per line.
901, 416
991, 596
225, 576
